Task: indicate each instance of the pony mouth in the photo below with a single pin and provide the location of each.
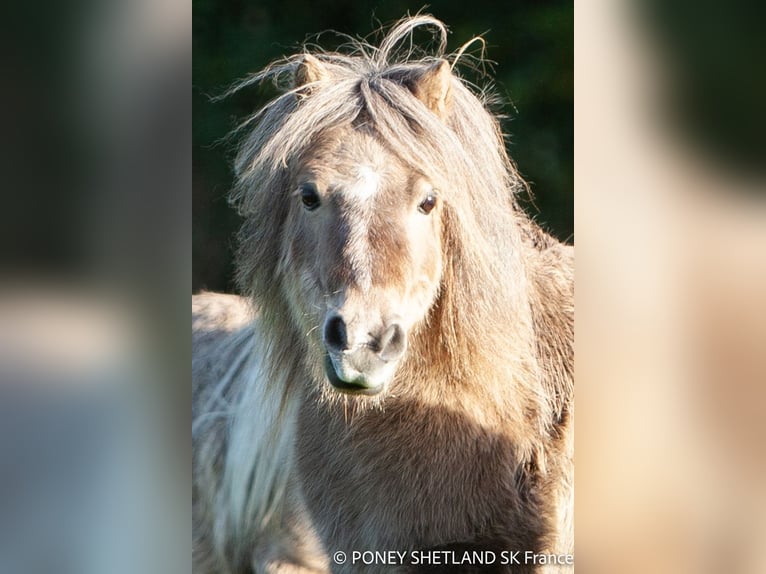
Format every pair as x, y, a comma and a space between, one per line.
359, 386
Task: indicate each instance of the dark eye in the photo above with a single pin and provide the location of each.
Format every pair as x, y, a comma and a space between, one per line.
426, 206
309, 196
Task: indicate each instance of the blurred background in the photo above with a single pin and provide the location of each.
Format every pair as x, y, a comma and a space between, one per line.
530, 41
671, 275
95, 263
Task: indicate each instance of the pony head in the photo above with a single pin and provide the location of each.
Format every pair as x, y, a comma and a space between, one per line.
360, 186
364, 247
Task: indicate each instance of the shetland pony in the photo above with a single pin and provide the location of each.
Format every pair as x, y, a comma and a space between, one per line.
400, 373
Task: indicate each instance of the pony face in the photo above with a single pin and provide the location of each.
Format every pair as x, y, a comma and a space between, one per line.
363, 244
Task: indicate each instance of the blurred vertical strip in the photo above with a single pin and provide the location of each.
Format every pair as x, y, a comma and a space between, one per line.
670, 211
95, 213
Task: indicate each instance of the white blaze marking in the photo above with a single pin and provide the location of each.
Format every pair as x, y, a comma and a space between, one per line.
361, 193
366, 185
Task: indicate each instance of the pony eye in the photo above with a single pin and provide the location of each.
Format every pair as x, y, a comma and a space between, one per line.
309, 196
426, 206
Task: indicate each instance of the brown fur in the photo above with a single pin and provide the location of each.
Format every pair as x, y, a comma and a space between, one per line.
469, 443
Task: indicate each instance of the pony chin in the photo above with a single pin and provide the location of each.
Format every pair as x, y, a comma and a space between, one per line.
346, 380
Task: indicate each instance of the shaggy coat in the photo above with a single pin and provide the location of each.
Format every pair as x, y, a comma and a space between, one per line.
399, 375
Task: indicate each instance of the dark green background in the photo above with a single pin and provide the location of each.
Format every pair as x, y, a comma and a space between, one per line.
530, 41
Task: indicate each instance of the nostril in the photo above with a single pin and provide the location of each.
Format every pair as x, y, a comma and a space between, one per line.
392, 343
335, 336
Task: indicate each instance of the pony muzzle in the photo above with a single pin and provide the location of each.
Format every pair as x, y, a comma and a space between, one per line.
361, 365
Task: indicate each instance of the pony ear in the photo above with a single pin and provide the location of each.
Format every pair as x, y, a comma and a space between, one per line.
309, 71
433, 87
